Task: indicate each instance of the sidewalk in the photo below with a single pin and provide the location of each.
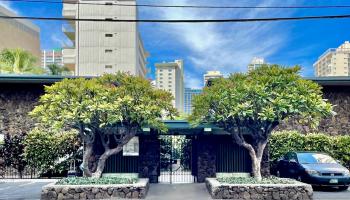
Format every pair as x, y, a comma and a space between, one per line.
193, 191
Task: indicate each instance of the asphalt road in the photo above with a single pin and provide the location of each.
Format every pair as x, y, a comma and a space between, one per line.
31, 189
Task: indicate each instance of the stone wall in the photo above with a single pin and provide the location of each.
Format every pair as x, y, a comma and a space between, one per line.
125, 191
149, 158
259, 191
206, 158
339, 124
16, 101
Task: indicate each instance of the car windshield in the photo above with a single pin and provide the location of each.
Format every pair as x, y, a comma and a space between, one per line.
314, 158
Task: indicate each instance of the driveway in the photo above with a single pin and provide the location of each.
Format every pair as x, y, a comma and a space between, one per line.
30, 190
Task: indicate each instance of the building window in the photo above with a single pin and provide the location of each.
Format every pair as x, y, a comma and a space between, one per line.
160, 81
169, 90
170, 86
160, 70
108, 35
170, 82
132, 147
108, 66
108, 50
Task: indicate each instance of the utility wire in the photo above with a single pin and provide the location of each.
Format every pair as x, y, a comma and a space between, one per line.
184, 6
182, 20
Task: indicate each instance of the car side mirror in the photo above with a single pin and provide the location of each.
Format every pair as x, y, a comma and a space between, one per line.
292, 161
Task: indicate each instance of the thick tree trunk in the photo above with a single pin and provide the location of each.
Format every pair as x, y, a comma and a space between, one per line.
87, 154
102, 161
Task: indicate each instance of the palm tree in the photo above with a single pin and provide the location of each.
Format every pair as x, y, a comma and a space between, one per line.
18, 61
54, 69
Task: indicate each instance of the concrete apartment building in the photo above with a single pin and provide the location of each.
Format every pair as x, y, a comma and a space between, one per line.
50, 57
256, 62
189, 95
211, 75
334, 62
170, 77
103, 47
19, 33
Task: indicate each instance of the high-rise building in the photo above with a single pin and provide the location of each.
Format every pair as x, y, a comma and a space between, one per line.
334, 62
189, 94
50, 57
255, 63
211, 75
170, 77
19, 33
103, 47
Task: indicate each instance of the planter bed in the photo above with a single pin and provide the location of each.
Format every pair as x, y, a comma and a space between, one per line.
136, 190
285, 190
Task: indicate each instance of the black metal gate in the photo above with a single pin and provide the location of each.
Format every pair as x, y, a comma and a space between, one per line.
175, 160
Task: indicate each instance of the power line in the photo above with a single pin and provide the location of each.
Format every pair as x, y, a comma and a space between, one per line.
181, 20
185, 6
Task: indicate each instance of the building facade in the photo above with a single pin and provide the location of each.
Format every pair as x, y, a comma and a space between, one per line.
256, 62
103, 47
170, 77
51, 57
189, 94
19, 33
211, 75
334, 62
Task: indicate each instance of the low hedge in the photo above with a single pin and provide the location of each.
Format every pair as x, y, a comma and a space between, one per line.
285, 141
251, 180
97, 181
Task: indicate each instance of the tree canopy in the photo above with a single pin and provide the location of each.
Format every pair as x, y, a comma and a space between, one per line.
109, 110
257, 102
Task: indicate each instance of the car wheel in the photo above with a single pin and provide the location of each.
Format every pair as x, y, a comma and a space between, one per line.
342, 188
278, 174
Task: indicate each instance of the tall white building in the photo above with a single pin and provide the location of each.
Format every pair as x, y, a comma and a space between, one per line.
50, 57
103, 47
334, 62
256, 62
170, 77
211, 75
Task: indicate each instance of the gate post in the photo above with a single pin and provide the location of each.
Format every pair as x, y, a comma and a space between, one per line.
206, 158
149, 158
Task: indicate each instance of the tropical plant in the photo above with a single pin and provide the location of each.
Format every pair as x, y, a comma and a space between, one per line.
107, 110
250, 106
54, 69
18, 61
12, 152
46, 150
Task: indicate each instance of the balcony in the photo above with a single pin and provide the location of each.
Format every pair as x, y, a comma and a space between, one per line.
69, 10
68, 56
69, 31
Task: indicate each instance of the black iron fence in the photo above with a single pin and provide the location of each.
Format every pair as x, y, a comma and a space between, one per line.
12, 173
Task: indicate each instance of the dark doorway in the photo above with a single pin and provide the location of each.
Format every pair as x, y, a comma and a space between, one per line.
175, 159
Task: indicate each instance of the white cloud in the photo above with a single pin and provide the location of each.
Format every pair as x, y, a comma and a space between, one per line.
224, 47
8, 5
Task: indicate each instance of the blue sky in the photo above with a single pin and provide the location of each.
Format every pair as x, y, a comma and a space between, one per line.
225, 47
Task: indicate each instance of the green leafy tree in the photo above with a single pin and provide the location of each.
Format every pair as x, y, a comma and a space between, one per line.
44, 149
256, 103
108, 110
54, 69
18, 61
13, 150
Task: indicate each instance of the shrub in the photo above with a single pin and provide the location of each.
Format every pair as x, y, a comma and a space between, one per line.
12, 152
285, 141
250, 180
47, 150
97, 181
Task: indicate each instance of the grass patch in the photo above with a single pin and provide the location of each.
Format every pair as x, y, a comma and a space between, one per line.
250, 180
97, 181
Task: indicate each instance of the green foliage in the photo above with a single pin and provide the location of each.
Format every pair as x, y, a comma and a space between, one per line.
97, 181
43, 149
286, 141
12, 152
265, 95
107, 101
54, 69
249, 180
18, 61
